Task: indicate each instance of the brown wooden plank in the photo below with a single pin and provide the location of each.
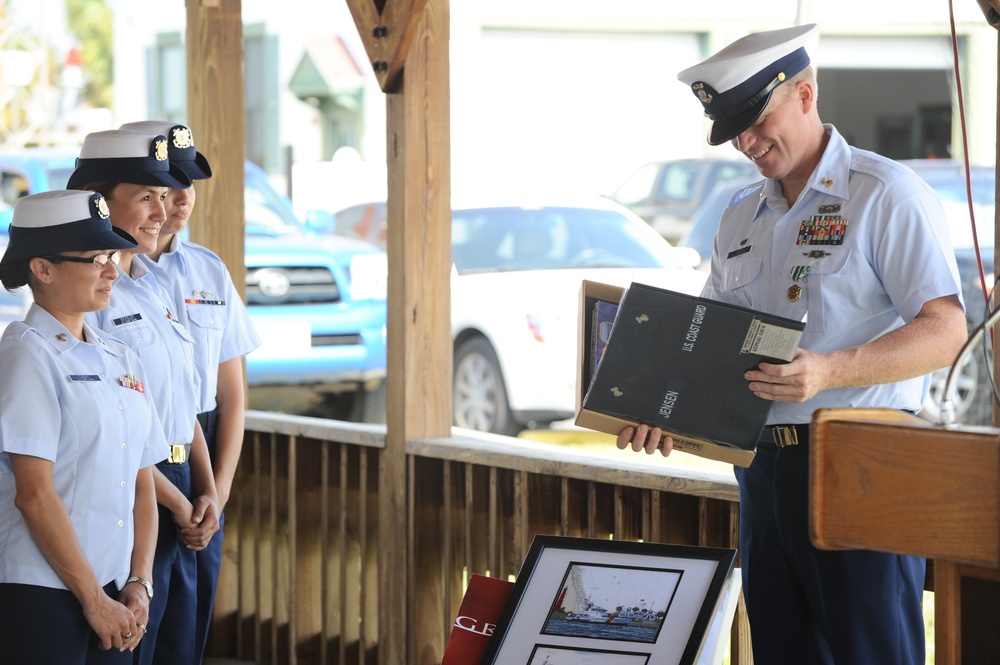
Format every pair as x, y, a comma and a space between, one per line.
885, 482
387, 37
215, 42
419, 358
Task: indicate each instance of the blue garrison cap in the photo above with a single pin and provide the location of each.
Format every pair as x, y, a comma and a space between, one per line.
735, 84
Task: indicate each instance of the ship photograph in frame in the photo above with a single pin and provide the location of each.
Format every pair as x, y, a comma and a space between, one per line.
616, 601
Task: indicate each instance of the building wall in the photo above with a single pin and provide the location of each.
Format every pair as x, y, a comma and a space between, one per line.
577, 93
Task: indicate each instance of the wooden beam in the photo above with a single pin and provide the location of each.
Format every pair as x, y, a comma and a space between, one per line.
215, 116
387, 35
418, 386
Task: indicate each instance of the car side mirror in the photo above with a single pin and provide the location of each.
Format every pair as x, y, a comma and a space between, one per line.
321, 221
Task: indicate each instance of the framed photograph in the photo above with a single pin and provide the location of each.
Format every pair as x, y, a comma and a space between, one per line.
585, 601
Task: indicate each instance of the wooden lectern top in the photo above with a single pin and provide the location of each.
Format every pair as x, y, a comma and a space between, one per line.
885, 480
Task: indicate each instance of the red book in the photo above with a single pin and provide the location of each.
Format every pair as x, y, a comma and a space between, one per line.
477, 619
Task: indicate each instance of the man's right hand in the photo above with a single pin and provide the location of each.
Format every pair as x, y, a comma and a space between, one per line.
645, 438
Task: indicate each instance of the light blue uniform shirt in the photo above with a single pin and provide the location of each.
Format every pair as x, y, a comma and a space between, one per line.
866, 241
209, 307
78, 405
141, 314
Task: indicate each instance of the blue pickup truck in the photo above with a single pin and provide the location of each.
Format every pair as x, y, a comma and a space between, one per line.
318, 302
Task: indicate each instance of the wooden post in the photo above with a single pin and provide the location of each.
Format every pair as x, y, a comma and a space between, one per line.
215, 116
407, 42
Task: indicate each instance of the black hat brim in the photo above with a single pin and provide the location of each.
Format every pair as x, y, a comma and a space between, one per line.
128, 171
27, 243
723, 131
195, 169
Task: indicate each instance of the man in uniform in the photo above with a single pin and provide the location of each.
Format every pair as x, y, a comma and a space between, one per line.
857, 246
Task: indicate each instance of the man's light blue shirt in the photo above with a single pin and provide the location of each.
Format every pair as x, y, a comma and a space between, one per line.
866, 242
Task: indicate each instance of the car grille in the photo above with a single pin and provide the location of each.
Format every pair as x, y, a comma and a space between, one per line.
346, 339
291, 286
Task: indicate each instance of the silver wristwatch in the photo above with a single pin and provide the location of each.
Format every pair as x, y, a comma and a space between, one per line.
144, 582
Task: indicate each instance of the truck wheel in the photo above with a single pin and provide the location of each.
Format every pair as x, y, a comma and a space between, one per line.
479, 398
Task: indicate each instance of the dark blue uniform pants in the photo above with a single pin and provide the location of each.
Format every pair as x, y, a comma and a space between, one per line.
170, 636
43, 626
209, 559
815, 607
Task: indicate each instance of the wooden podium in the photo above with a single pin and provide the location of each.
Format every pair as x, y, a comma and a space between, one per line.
885, 480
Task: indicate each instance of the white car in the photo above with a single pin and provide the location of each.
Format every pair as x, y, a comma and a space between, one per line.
516, 294
516, 277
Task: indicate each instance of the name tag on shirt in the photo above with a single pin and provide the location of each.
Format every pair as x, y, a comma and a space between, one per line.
77, 378
131, 318
739, 252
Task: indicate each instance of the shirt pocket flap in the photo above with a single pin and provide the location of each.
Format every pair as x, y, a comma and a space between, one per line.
737, 274
206, 316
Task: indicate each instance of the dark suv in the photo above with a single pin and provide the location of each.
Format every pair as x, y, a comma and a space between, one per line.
666, 194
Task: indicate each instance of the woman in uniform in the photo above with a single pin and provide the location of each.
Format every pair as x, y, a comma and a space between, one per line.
133, 172
212, 310
78, 438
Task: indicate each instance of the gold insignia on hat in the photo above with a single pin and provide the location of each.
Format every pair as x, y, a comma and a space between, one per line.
616, 392
160, 150
826, 182
182, 137
781, 76
699, 89
102, 207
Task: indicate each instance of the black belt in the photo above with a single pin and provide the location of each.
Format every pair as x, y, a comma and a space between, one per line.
783, 436
208, 419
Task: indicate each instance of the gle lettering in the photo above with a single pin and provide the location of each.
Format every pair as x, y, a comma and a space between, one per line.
692, 333
473, 625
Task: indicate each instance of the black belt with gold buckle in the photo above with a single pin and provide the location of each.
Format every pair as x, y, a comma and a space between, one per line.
784, 436
179, 454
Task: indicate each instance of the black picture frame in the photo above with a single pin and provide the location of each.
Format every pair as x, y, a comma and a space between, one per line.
616, 601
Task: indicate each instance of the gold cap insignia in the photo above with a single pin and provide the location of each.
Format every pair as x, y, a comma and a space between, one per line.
160, 150
182, 137
699, 89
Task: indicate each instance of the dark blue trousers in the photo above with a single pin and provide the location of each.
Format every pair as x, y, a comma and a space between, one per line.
43, 626
808, 606
209, 561
170, 636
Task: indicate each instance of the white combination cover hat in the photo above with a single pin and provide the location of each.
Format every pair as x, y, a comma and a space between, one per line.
735, 84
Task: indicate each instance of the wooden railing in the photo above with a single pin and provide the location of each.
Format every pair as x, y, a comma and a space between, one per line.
300, 578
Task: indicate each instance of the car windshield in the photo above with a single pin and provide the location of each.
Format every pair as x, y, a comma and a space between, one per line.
266, 213
509, 239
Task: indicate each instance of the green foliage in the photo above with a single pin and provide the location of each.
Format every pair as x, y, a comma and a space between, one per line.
91, 22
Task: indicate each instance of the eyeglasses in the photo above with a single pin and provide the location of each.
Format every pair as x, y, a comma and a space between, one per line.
98, 260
